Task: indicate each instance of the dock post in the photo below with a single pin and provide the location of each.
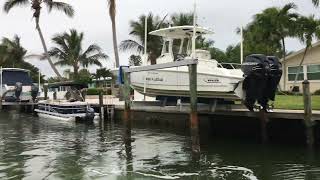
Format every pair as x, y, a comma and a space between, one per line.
45, 89
308, 113
263, 125
194, 121
126, 93
101, 109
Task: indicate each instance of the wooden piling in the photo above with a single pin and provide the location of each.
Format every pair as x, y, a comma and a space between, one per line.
308, 114
101, 109
45, 89
263, 125
194, 121
126, 93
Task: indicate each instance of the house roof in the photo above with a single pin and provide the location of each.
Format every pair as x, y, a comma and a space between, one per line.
300, 51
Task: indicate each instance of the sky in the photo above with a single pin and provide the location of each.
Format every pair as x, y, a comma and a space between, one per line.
92, 18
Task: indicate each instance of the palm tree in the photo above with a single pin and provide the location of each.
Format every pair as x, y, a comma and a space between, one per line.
181, 19
69, 52
137, 31
315, 2
276, 24
135, 60
13, 52
36, 6
308, 30
112, 13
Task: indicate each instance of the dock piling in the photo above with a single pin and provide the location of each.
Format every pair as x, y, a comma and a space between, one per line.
194, 121
45, 89
308, 114
126, 93
263, 125
101, 109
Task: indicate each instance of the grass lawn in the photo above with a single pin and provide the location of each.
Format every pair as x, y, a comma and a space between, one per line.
295, 102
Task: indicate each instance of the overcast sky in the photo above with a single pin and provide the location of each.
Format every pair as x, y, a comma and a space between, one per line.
92, 18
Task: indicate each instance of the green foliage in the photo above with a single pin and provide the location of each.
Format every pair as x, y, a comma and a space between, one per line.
97, 91
317, 92
266, 33
135, 60
36, 6
83, 77
12, 55
137, 30
69, 52
181, 19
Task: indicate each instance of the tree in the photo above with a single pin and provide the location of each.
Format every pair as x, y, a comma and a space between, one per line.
267, 32
36, 6
69, 52
315, 2
277, 24
308, 30
13, 54
182, 19
138, 32
135, 60
112, 13
233, 54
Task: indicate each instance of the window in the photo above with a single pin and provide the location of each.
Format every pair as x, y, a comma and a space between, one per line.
313, 72
292, 72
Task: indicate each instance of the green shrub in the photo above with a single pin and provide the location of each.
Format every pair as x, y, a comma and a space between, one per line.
96, 91
317, 92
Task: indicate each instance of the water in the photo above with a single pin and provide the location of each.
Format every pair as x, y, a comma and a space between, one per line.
32, 148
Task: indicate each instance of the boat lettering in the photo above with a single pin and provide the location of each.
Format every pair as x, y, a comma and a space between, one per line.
212, 80
154, 79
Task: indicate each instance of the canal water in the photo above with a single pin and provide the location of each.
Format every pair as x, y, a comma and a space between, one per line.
33, 148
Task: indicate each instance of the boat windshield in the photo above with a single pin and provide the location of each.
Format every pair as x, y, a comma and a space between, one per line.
230, 65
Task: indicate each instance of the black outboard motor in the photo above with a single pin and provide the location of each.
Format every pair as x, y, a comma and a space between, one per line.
34, 92
18, 90
255, 69
274, 76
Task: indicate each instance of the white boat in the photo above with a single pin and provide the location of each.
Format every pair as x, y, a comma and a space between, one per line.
68, 106
16, 85
65, 110
214, 80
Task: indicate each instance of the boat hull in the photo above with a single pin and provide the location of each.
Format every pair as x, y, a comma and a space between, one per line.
175, 82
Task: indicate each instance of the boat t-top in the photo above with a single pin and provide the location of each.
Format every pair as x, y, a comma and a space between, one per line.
214, 80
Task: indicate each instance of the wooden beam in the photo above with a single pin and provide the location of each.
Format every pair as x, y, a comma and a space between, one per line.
185, 62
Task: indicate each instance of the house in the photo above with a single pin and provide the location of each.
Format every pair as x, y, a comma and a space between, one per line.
101, 83
310, 69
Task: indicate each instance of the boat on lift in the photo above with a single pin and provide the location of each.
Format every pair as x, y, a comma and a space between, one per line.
215, 81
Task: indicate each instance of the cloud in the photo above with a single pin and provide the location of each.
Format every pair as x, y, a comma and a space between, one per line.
92, 17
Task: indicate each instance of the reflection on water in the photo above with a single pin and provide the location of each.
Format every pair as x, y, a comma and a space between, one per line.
32, 148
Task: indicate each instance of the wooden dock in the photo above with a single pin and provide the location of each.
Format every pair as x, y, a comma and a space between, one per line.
221, 110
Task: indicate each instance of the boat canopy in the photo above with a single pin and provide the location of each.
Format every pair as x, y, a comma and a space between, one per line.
10, 76
180, 32
69, 84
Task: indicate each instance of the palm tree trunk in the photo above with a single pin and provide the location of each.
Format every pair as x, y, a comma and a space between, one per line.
284, 60
115, 41
300, 65
46, 49
283, 49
